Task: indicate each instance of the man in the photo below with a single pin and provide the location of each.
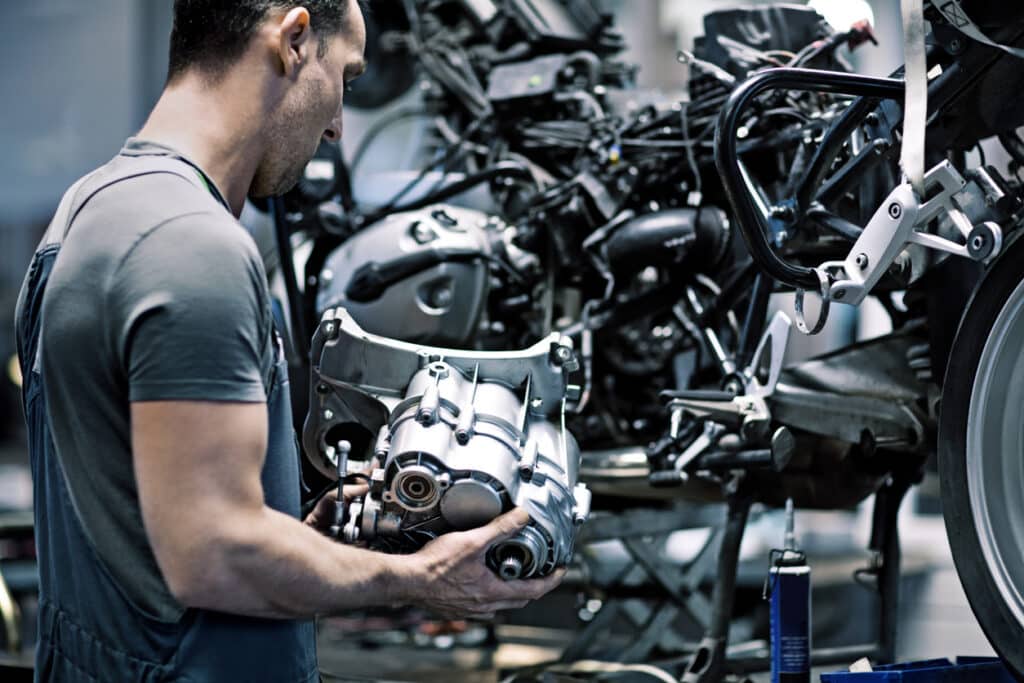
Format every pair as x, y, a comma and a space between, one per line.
165, 472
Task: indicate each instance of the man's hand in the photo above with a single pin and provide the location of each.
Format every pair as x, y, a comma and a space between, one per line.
322, 516
451, 577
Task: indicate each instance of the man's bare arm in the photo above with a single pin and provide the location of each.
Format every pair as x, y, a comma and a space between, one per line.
198, 464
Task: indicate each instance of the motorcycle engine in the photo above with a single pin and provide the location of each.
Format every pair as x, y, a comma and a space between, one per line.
419, 275
464, 437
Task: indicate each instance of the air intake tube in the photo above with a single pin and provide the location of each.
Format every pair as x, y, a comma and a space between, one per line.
674, 237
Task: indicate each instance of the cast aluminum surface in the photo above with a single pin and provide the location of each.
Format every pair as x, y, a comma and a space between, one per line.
467, 435
442, 304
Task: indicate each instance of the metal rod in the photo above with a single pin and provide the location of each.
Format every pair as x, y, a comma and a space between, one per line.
753, 322
708, 663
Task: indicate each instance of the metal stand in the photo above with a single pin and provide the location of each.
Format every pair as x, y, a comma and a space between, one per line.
708, 663
885, 541
678, 592
650, 612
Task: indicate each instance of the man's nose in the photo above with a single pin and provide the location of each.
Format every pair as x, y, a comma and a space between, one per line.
333, 131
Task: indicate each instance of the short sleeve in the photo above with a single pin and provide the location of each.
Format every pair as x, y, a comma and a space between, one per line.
190, 316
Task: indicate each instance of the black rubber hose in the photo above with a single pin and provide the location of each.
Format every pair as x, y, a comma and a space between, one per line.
504, 169
296, 307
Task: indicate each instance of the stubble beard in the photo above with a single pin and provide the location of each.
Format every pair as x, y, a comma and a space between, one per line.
288, 150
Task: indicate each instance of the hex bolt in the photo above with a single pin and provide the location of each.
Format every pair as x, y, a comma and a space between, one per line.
862, 261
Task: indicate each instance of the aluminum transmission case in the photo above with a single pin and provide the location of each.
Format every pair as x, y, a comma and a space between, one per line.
462, 436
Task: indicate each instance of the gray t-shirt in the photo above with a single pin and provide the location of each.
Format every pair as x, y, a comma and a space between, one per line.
157, 294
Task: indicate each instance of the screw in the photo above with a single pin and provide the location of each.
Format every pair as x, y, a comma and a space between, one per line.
328, 414
895, 210
862, 261
977, 242
838, 294
563, 354
442, 297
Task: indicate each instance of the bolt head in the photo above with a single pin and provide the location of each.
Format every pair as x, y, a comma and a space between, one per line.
441, 298
328, 414
862, 261
895, 210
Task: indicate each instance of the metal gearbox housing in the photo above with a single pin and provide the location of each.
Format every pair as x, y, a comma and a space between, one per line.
461, 437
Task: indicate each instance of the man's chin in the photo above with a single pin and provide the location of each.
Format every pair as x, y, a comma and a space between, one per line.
257, 193
265, 190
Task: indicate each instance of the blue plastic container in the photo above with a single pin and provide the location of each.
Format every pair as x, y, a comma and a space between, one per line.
966, 670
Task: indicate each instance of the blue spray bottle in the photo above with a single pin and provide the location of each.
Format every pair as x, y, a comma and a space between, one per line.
789, 586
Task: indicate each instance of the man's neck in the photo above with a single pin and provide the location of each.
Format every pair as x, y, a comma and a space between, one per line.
207, 124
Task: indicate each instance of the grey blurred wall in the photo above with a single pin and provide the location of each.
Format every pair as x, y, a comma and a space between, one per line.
76, 79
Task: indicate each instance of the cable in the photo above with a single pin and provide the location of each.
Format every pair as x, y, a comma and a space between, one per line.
691, 158
446, 160
378, 127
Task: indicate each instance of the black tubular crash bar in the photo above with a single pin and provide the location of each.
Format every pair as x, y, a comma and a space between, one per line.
751, 223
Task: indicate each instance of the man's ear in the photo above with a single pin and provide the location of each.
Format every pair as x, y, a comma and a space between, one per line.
294, 40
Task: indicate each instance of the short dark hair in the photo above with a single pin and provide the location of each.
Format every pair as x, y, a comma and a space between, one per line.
212, 34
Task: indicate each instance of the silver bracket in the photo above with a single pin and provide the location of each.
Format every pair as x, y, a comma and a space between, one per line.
749, 412
903, 220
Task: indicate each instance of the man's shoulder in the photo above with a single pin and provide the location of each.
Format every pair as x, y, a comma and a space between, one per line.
146, 190
133, 199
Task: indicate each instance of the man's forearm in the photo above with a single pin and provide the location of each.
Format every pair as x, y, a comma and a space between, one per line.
274, 566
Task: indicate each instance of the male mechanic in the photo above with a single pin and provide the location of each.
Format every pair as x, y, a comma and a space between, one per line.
164, 463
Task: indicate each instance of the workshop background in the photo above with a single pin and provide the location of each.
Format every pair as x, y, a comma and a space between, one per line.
78, 78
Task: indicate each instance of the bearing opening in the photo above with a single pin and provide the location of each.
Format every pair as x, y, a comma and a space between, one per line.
416, 489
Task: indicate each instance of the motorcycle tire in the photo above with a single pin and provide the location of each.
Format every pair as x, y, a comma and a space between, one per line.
981, 454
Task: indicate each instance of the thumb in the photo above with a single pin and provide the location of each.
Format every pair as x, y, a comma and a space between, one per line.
502, 527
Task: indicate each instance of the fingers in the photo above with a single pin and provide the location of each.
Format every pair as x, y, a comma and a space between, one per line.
536, 588
353, 491
484, 611
502, 527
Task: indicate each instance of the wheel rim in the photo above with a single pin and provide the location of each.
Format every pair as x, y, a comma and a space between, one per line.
995, 453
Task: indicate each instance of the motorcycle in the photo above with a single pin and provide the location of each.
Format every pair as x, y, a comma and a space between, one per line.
561, 205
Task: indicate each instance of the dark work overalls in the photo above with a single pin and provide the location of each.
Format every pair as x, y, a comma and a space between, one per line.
88, 630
